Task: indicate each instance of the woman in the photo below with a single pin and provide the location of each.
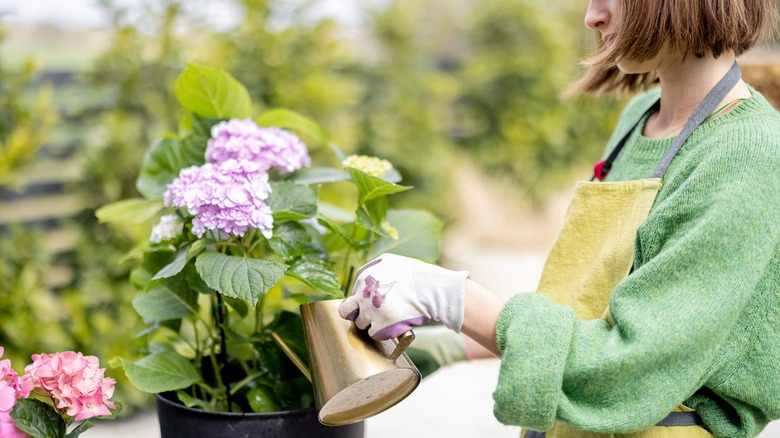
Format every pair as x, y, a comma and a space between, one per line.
658, 312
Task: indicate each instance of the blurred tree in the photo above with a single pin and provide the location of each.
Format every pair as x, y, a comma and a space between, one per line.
410, 81
287, 60
132, 80
521, 56
25, 121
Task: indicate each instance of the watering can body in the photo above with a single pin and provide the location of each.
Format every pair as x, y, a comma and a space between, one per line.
354, 377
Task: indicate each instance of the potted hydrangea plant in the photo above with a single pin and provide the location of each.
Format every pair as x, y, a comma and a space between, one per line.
248, 228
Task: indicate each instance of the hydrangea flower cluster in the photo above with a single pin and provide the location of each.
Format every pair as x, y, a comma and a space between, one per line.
390, 230
74, 381
167, 229
75, 384
229, 192
370, 165
243, 139
9, 392
228, 197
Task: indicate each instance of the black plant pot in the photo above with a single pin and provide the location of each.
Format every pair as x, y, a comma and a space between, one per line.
177, 420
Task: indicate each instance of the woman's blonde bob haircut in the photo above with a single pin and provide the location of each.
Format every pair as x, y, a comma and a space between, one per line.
686, 27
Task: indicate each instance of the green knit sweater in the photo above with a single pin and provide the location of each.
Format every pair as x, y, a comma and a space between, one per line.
698, 319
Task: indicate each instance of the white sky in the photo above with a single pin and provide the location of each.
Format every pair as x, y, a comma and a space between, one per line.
85, 13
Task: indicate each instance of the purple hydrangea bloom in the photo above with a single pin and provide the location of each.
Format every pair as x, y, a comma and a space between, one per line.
228, 197
242, 139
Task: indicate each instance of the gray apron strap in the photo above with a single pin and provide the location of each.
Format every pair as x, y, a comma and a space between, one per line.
681, 419
673, 419
706, 107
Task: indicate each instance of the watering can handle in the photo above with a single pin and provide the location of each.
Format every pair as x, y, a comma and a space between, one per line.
403, 341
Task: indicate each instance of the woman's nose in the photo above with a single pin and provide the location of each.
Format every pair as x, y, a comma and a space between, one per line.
598, 15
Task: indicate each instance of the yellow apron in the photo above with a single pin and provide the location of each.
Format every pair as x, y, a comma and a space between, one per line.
594, 250
593, 253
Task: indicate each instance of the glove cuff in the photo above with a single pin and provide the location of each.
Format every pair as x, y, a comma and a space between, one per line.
448, 299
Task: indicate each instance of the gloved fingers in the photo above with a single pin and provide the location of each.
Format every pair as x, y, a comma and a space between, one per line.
350, 308
363, 320
397, 329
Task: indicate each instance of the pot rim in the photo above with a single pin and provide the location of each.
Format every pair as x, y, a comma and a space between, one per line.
164, 399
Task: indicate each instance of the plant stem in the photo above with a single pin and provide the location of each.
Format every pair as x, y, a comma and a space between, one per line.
349, 268
222, 347
259, 314
246, 380
347, 271
218, 374
348, 280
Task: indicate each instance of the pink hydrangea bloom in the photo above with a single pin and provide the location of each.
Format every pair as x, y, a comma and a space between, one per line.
8, 428
88, 406
9, 384
74, 381
228, 197
243, 139
9, 393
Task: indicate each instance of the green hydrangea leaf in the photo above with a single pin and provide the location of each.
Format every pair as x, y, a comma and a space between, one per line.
192, 402
291, 202
173, 267
81, 428
160, 372
319, 175
316, 273
212, 93
165, 301
289, 240
262, 399
239, 277
419, 235
162, 164
287, 119
195, 282
371, 187
129, 211
238, 305
372, 214
289, 327
37, 418
201, 127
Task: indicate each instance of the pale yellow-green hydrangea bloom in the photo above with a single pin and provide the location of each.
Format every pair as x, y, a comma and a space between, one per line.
370, 165
390, 230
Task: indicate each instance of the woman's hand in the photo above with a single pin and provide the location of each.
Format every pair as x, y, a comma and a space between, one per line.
392, 294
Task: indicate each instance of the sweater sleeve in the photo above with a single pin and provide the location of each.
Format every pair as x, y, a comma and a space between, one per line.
700, 256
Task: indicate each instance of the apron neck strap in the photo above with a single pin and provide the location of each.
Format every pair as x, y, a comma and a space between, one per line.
706, 107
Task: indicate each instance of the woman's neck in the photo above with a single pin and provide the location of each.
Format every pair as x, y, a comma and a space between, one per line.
684, 85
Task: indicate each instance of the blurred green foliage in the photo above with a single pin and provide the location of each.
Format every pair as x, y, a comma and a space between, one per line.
422, 83
24, 121
522, 55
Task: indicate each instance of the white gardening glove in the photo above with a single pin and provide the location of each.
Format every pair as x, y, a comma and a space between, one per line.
394, 293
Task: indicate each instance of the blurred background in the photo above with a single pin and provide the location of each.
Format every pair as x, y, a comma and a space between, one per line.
463, 96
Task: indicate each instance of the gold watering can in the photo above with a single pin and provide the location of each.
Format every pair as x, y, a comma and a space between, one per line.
354, 377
